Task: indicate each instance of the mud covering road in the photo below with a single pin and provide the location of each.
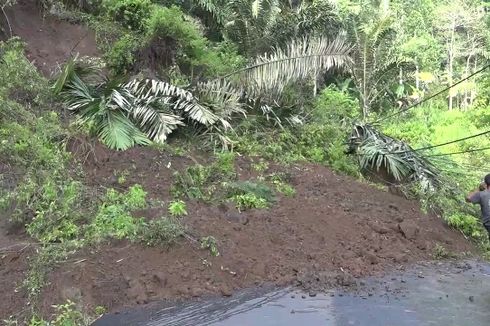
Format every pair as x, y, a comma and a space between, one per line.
439, 294
332, 232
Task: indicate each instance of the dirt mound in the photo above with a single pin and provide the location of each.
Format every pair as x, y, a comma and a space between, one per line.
50, 41
334, 224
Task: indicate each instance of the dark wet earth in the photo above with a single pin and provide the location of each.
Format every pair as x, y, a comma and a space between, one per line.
449, 293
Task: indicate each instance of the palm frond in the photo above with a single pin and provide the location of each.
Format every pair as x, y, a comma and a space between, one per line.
270, 73
116, 131
216, 8
85, 67
376, 150
221, 97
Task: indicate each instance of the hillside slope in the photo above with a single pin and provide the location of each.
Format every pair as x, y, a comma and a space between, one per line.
333, 223
334, 230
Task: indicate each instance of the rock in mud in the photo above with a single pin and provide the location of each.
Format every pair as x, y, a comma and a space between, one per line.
71, 293
160, 278
379, 228
236, 217
408, 230
226, 291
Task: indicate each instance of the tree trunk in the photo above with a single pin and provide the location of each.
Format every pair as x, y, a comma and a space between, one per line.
451, 59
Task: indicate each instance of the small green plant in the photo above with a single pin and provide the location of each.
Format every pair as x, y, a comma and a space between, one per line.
246, 195
177, 208
210, 243
100, 310
42, 263
191, 182
225, 164
248, 201
122, 176
284, 188
468, 224
66, 315
161, 232
113, 219
441, 253
261, 166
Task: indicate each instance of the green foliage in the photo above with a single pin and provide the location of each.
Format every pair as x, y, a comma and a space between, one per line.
282, 186
161, 232
132, 14
121, 55
191, 182
201, 182
42, 263
320, 140
441, 253
177, 208
19, 79
225, 164
100, 310
468, 224
210, 244
260, 166
248, 201
113, 219
170, 23
246, 195
66, 315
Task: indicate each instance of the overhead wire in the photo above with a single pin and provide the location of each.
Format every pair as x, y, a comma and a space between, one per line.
444, 144
432, 96
461, 152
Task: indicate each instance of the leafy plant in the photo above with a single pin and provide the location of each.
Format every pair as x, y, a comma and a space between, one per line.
225, 164
468, 224
131, 13
210, 244
258, 189
191, 182
113, 219
260, 166
441, 253
177, 208
376, 150
248, 201
123, 114
161, 232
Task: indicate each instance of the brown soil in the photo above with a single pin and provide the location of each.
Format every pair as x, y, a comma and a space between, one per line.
334, 224
50, 42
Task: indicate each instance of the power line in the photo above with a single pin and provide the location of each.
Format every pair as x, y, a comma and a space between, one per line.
444, 144
461, 152
432, 96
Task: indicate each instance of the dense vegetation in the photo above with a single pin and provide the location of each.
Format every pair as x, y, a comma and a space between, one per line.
284, 81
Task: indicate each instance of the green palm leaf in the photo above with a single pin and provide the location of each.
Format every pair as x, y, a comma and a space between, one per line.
270, 73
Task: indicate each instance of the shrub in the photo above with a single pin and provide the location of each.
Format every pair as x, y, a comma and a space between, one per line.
225, 164
177, 208
211, 244
170, 23
248, 201
161, 232
466, 223
114, 219
121, 56
132, 14
247, 195
19, 79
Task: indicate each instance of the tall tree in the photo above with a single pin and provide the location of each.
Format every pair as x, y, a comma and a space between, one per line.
461, 29
369, 25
